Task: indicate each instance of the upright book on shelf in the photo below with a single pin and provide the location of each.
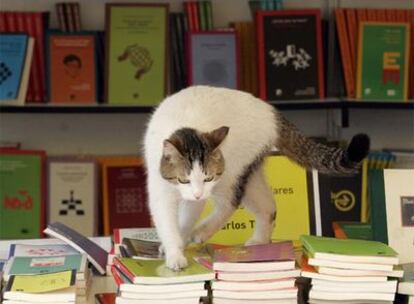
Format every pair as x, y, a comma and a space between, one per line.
72, 193
137, 40
22, 194
72, 68
289, 48
383, 61
213, 58
16, 52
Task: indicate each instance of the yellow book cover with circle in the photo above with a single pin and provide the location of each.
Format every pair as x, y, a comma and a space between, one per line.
293, 192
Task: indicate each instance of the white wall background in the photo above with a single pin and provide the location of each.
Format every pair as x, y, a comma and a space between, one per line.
122, 133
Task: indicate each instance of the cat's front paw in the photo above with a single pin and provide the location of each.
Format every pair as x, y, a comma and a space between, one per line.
176, 261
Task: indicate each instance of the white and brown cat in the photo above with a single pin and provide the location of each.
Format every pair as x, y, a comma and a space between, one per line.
205, 142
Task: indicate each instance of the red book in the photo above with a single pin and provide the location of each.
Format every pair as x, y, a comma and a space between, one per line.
124, 195
105, 298
34, 81
189, 14
3, 22
194, 13
40, 22
11, 25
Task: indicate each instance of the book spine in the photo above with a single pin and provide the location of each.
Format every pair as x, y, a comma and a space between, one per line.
77, 16
117, 278
252, 53
39, 23
124, 269
11, 22
3, 27
371, 15
209, 14
61, 17
260, 56
194, 13
69, 17
189, 15
351, 30
201, 15
345, 53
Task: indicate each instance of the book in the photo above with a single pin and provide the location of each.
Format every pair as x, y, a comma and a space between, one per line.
245, 301
396, 272
96, 255
195, 300
257, 295
16, 51
383, 53
105, 298
124, 194
349, 265
213, 58
164, 296
22, 193
155, 272
267, 257
340, 199
360, 296
330, 286
166, 288
399, 199
377, 205
24, 250
406, 284
293, 192
42, 288
41, 265
347, 250
289, 47
137, 38
248, 276
72, 68
73, 193
254, 285
149, 234
142, 249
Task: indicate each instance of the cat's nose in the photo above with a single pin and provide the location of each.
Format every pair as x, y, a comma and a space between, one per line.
197, 195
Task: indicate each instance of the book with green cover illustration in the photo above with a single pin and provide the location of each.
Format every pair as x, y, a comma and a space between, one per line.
155, 271
37, 265
348, 250
21, 194
137, 52
382, 67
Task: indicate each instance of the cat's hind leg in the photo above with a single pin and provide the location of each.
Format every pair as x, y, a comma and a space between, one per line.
259, 200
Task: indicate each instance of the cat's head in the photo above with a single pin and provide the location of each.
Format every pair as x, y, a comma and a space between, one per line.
193, 161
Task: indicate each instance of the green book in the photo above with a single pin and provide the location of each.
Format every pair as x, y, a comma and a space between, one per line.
382, 66
46, 264
155, 272
202, 15
209, 15
377, 205
349, 250
21, 195
357, 230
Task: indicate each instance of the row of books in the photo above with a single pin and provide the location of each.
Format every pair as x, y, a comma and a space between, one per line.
263, 57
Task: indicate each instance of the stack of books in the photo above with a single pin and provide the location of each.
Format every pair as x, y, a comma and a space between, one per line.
149, 281
255, 274
34, 260
344, 270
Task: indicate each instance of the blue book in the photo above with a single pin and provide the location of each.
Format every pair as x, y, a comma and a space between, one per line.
13, 49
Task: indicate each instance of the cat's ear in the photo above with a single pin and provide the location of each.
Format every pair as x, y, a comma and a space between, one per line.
169, 149
217, 136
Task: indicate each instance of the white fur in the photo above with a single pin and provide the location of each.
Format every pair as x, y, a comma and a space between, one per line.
253, 127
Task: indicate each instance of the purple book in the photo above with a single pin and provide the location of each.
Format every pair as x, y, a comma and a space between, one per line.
282, 251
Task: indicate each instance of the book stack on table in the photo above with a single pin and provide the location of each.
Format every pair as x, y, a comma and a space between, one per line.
346, 270
255, 274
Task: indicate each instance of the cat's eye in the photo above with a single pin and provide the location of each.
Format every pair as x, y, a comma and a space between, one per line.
183, 181
208, 179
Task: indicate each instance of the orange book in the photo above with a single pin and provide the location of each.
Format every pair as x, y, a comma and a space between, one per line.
381, 15
390, 15
72, 68
345, 52
352, 30
371, 15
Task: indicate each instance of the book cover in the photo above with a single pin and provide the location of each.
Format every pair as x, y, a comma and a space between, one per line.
383, 53
340, 199
345, 249
23, 250
377, 205
149, 234
72, 193
292, 188
142, 248
282, 251
399, 201
124, 195
41, 265
155, 272
72, 68
96, 254
289, 48
22, 194
41, 283
213, 58
13, 50
137, 40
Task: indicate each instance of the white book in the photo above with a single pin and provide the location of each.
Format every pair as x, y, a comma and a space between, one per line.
411, 300
237, 301
399, 204
164, 296
315, 275
41, 250
254, 285
72, 193
387, 287
141, 288
64, 295
339, 301
289, 293
254, 266
361, 296
396, 273
28, 302
120, 300
255, 276
349, 265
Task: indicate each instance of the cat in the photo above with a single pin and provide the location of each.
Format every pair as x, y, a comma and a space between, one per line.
207, 142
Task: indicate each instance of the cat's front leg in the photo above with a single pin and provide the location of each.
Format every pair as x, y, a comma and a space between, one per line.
164, 210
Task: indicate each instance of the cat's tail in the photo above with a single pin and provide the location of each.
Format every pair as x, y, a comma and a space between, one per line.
310, 154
